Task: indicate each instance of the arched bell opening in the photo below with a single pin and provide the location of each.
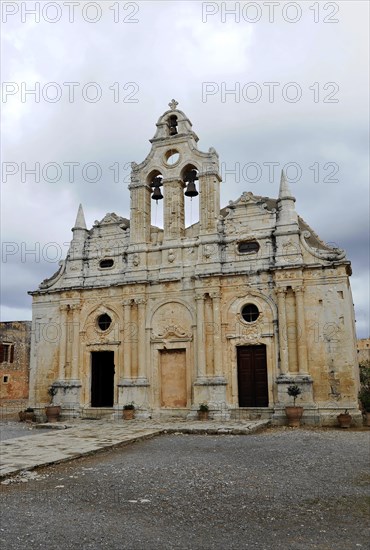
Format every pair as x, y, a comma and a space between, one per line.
189, 176
172, 125
155, 181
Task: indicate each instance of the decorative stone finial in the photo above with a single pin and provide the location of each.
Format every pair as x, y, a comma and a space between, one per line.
173, 104
284, 191
80, 220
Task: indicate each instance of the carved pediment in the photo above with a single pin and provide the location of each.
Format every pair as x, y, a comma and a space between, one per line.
112, 219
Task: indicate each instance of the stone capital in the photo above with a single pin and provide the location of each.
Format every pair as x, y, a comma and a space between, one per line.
280, 290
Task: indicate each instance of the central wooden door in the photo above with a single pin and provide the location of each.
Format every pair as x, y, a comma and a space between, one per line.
173, 378
252, 376
102, 378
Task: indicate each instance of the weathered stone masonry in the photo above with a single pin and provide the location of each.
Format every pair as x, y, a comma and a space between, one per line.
228, 311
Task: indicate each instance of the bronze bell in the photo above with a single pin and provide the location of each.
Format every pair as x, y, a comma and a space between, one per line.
156, 182
157, 195
191, 176
191, 190
172, 124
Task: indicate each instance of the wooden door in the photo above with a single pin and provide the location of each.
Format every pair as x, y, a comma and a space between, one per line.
252, 376
173, 379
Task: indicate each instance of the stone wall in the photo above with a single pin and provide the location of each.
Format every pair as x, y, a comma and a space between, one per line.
15, 340
363, 350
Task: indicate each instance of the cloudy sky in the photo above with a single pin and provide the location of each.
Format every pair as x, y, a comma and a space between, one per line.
267, 85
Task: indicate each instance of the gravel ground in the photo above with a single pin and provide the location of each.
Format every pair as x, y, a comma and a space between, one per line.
280, 489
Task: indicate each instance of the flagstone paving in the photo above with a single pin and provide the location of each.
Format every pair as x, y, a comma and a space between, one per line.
72, 440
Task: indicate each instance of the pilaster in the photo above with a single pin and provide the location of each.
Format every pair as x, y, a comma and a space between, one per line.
209, 206
201, 366
301, 331
64, 308
174, 213
283, 339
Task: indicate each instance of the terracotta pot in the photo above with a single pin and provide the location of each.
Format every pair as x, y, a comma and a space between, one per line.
128, 414
26, 416
53, 412
344, 420
294, 415
203, 415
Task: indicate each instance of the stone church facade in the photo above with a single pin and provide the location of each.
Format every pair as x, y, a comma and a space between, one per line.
229, 311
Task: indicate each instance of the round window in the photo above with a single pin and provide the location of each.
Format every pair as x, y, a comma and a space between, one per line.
104, 321
250, 313
171, 157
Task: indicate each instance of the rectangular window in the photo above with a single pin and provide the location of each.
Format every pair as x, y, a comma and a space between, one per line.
6, 353
6, 379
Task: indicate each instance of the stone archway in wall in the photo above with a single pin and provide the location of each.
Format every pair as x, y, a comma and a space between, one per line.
172, 355
251, 350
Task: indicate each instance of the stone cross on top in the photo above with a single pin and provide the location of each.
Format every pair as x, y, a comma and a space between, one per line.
173, 104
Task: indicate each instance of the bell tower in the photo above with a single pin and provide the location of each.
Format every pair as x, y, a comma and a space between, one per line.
171, 171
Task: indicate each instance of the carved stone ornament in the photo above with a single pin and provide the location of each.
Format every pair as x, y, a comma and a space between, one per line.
246, 196
171, 331
111, 218
329, 254
171, 256
207, 250
47, 283
173, 104
136, 259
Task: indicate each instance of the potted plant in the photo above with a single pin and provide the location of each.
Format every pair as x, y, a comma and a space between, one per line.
28, 415
364, 394
128, 412
344, 419
364, 397
293, 413
53, 410
203, 411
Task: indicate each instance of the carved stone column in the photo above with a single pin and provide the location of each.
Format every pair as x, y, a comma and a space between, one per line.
283, 339
301, 331
200, 336
217, 348
75, 341
127, 339
141, 343
64, 308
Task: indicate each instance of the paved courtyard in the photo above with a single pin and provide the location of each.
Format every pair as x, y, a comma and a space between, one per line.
59, 442
277, 489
